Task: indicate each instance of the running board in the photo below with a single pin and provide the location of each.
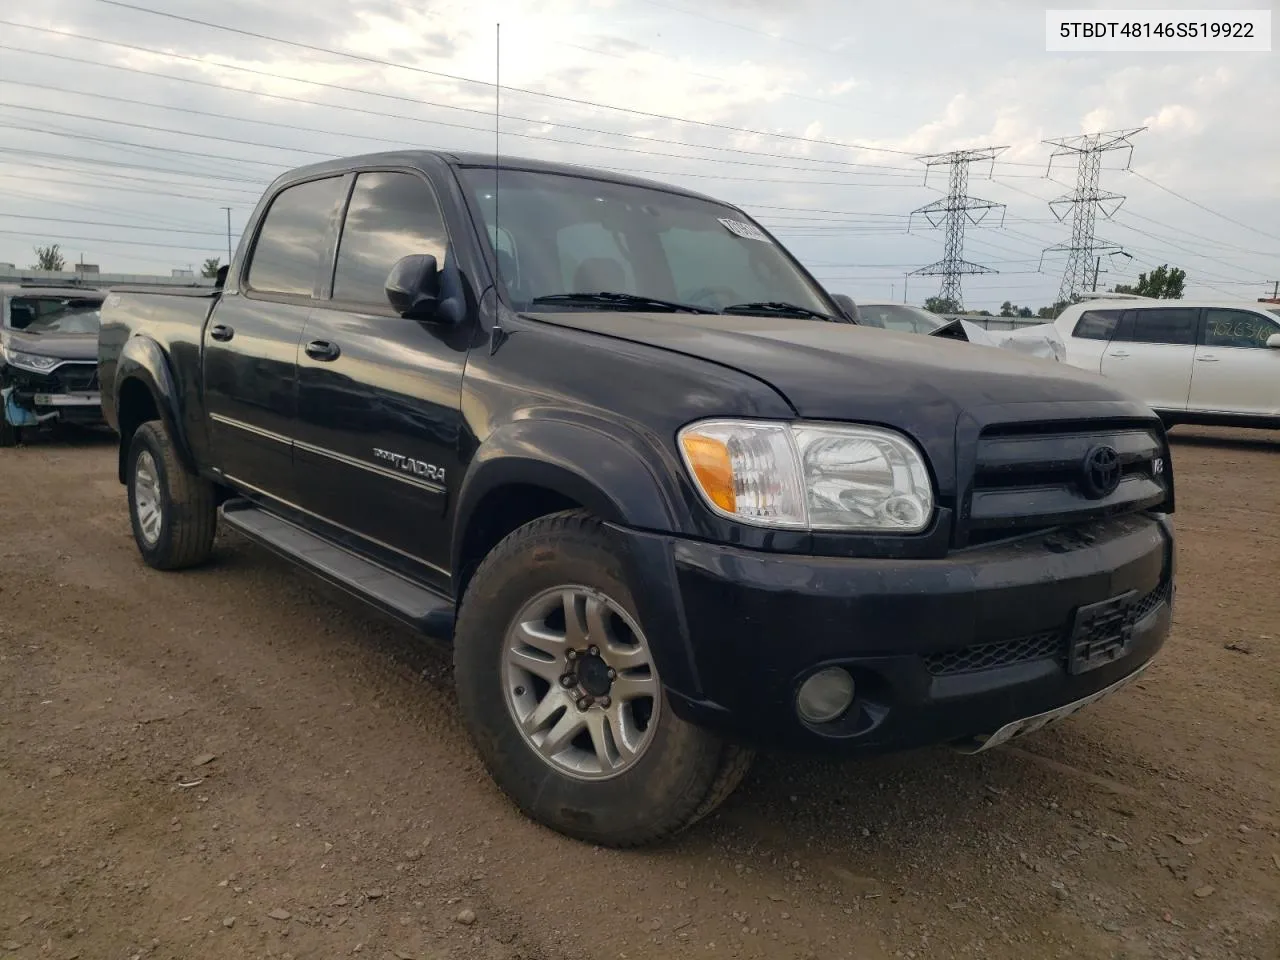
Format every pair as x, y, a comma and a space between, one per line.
419, 607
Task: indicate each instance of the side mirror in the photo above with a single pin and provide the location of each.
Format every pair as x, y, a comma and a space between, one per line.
1273, 341
413, 287
845, 303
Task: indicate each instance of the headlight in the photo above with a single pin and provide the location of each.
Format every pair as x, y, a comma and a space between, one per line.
811, 476
30, 361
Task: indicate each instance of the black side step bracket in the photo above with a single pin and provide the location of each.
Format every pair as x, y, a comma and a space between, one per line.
419, 607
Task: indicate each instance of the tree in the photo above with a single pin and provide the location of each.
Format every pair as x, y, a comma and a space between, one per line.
1008, 309
941, 305
1051, 313
49, 258
211, 267
1162, 284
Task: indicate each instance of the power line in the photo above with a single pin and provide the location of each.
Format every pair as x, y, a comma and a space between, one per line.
128, 165
148, 146
116, 176
362, 58
388, 96
399, 144
107, 240
121, 226
1194, 203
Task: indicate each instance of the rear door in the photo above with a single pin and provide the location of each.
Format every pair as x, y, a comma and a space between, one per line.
1234, 370
379, 395
251, 342
1151, 355
1088, 338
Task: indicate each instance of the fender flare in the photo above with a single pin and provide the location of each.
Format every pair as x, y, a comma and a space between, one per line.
608, 476
143, 359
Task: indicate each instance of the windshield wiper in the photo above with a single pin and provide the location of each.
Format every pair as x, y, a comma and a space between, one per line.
779, 307
608, 298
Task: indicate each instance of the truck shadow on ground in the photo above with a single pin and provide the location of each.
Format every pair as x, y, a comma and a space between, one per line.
1263, 440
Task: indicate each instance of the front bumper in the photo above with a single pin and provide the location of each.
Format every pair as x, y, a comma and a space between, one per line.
57, 396
940, 650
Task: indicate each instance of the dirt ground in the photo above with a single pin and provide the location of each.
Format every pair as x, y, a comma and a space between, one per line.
232, 762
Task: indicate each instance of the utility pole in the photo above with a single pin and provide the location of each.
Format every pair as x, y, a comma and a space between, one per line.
954, 212
228, 209
1085, 203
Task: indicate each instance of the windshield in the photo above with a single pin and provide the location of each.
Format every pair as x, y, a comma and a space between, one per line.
561, 234
898, 317
54, 315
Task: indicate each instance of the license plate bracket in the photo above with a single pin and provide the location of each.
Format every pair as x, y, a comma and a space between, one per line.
74, 399
1101, 633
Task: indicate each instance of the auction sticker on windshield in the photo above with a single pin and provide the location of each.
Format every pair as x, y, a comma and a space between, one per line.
745, 230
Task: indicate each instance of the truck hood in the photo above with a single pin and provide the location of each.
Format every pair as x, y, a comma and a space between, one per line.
839, 370
64, 346
921, 386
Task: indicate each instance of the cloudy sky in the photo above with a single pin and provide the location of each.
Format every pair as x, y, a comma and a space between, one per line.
126, 129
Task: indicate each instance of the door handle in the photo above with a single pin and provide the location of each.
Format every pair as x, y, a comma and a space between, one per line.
1209, 359
322, 350
220, 331
1118, 354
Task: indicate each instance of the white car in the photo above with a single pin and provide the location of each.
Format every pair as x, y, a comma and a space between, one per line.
1212, 362
898, 316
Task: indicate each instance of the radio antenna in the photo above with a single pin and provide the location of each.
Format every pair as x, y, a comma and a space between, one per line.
497, 139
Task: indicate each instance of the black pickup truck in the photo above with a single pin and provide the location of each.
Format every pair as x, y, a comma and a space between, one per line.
667, 500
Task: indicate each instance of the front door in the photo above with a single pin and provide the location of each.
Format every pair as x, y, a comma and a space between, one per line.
379, 395
1234, 370
1151, 354
251, 342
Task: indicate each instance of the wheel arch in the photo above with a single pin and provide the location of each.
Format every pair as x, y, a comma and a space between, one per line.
145, 390
534, 468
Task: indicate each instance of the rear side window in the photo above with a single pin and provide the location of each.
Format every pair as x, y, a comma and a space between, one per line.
287, 255
1160, 325
1097, 324
390, 216
1237, 328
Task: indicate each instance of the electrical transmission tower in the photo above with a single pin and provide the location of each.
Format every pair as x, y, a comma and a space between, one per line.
1085, 203
954, 212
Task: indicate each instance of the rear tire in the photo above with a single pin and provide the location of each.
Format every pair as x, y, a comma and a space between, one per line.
173, 511
670, 774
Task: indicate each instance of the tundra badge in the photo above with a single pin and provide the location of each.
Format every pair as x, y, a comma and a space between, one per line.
419, 468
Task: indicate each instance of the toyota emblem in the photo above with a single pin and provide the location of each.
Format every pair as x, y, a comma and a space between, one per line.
1101, 473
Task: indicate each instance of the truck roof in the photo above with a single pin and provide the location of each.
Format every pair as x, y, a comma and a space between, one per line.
465, 159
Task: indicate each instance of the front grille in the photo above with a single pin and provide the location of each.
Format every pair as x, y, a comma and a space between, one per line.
1148, 604
984, 656
1050, 644
76, 377
1030, 477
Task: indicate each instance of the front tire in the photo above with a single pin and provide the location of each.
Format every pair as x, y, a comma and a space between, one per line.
560, 693
173, 511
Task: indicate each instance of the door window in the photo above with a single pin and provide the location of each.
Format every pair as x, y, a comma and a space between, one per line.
1175, 325
1237, 328
287, 255
1097, 324
390, 216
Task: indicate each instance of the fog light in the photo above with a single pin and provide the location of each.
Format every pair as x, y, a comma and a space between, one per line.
825, 695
